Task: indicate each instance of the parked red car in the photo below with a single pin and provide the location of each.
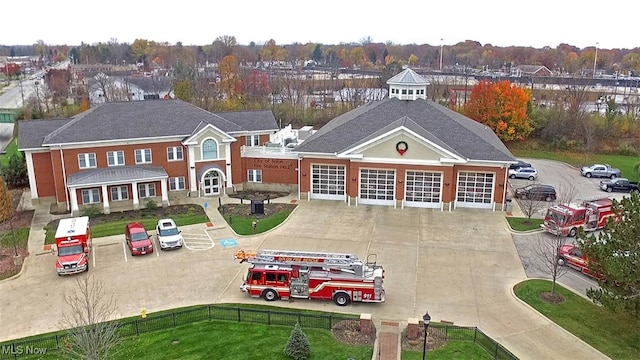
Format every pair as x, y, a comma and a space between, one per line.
138, 239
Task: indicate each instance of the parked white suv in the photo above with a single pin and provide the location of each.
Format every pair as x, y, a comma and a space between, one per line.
168, 234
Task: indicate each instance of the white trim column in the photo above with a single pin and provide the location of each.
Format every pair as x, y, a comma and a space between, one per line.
164, 192
105, 200
32, 175
74, 200
134, 191
193, 182
228, 175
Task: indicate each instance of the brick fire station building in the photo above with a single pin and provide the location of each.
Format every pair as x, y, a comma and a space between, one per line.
401, 151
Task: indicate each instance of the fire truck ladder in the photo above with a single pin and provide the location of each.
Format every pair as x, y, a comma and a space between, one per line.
304, 258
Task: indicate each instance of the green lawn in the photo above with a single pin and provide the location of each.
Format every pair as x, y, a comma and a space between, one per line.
615, 334
244, 225
462, 350
524, 224
11, 149
624, 163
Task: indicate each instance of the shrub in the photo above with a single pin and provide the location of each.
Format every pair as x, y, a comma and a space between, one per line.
627, 149
15, 172
298, 347
151, 205
91, 211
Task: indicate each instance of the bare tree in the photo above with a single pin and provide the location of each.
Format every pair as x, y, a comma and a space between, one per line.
566, 193
92, 332
547, 249
530, 205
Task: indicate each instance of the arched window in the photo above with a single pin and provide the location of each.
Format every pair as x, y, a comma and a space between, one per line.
209, 149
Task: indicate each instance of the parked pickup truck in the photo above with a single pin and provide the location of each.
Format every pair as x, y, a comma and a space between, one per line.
600, 170
619, 184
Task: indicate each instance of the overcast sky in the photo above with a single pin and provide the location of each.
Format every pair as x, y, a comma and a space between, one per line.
498, 22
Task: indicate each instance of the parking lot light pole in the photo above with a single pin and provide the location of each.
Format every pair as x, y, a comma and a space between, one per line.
426, 319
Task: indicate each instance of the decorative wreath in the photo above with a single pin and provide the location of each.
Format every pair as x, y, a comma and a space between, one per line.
402, 147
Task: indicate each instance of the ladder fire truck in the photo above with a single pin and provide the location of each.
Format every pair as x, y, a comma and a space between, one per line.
282, 274
566, 219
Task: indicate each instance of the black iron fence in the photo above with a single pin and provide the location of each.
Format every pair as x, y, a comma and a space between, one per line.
40, 345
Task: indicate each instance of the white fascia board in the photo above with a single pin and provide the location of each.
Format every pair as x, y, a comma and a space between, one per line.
474, 162
116, 142
40, 149
403, 162
310, 155
119, 182
254, 132
189, 140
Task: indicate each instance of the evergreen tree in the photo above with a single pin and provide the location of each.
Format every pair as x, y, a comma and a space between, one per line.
615, 253
298, 347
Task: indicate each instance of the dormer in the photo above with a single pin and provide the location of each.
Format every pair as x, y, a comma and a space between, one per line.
408, 85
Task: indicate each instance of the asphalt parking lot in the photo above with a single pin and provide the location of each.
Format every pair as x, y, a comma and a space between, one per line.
559, 175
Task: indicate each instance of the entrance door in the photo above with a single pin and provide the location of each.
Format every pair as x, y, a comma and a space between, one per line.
211, 184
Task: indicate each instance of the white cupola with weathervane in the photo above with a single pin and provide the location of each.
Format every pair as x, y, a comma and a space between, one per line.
408, 85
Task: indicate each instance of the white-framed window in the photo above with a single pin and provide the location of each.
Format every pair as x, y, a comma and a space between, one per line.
87, 161
253, 140
90, 196
255, 176
143, 156
119, 193
209, 149
146, 190
174, 153
176, 183
115, 158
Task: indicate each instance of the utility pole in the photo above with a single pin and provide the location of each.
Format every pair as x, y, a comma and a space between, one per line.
595, 59
441, 46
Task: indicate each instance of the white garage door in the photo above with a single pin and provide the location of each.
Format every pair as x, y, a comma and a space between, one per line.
475, 190
377, 187
423, 189
328, 182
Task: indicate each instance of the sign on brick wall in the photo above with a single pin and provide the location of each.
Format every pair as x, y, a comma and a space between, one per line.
271, 164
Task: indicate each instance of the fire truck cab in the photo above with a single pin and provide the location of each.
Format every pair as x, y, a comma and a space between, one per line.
566, 219
343, 278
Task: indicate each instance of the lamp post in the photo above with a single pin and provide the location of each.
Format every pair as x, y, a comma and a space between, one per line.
595, 59
426, 319
441, 45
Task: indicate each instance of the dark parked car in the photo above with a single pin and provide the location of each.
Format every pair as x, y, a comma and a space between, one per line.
619, 184
536, 192
518, 165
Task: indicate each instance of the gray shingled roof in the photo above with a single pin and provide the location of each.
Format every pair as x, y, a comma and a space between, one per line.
251, 120
408, 77
116, 174
31, 133
139, 119
461, 135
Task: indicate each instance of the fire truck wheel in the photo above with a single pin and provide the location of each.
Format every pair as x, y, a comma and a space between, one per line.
341, 299
561, 261
573, 232
269, 295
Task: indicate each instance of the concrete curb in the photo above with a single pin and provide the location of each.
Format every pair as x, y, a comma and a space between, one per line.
511, 289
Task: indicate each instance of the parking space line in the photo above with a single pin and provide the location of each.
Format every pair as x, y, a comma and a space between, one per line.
124, 250
198, 242
93, 255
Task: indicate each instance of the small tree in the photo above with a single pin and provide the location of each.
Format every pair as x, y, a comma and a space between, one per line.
15, 172
566, 193
92, 333
298, 347
547, 249
530, 205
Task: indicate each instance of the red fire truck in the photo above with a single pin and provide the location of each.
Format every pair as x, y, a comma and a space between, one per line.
342, 278
73, 244
566, 219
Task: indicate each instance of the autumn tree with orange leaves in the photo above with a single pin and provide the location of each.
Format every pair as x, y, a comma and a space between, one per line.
501, 106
